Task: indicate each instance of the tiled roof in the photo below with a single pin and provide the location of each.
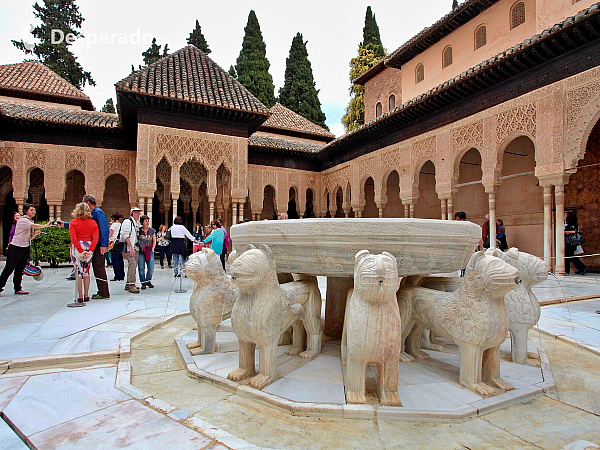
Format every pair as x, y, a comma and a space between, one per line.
470, 73
257, 140
64, 116
283, 118
468, 10
190, 75
34, 77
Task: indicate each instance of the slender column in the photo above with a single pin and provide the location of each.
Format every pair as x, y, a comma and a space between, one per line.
51, 212
211, 207
444, 213
359, 213
559, 198
380, 212
20, 208
57, 212
149, 209
234, 212
241, 212
142, 201
492, 203
411, 208
175, 198
548, 226
406, 210
450, 208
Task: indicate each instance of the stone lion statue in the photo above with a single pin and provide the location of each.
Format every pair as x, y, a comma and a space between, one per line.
265, 309
522, 304
212, 299
474, 317
372, 330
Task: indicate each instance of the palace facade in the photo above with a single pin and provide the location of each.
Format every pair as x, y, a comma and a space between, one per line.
493, 109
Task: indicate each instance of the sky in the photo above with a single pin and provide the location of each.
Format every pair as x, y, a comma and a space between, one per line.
118, 31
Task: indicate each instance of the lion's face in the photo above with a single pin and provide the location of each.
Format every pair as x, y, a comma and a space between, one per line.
532, 270
495, 274
251, 268
375, 275
203, 266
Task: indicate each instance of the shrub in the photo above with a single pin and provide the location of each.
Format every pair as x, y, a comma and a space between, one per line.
53, 246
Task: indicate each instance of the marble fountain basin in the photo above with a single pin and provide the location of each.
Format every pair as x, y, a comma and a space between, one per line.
327, 246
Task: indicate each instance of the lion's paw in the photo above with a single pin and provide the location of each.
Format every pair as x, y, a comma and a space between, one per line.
482, 389
420, 355
260, 381
436, 347
356, 397
390, 399
406, 358
192, 345
240, 373
309, 354
500, 384
293, 351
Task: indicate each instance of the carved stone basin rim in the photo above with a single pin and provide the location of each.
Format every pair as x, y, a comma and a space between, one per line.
327, 246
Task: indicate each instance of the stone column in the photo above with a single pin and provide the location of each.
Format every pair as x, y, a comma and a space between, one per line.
175, 198
444, 210
492, 213
548, 226
358, 212
335, 305
234, 212
149, 209
380, 212
142, 202
241, 212
559, 199
406, 210
57, 212
211, 208
411, 207
450, 208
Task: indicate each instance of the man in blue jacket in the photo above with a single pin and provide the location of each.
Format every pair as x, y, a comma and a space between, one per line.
102, 247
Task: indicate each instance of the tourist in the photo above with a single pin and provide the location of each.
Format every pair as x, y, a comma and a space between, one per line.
116, 256
85, 234
485, 232
178, 245
199, 236
164, 246
226, 241
572, 227
218, 240
129, 234
501, 235
460, 216
146, 244
16, 217
17, 253
283, 216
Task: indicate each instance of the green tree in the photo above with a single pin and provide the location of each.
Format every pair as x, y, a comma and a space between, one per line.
355, 111
371, 34
298, 92
232, 72
52, 246
60, 15
153, 53
109, 106
197, 39
252, 65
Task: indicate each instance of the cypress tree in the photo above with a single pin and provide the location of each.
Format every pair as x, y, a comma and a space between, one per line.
298, 92
109, 106
371, 34
232, 72
197, 39
454, 4
60, 15
153, 53
252, 65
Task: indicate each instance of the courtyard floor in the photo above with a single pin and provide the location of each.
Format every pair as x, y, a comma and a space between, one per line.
61, 382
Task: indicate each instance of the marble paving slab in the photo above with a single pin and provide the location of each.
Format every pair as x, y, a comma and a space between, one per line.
45, 401
128, 425
9, 388
9, 439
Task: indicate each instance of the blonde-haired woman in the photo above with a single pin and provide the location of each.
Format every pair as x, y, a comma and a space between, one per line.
84, 237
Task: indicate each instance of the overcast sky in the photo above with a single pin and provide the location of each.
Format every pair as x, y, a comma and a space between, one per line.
333, 30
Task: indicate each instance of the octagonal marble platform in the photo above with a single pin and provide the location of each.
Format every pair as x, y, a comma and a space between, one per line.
428, 389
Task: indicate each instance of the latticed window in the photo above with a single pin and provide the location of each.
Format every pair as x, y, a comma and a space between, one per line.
447, 57
378, 109
419, 73
517, 14
392, 102
480, 36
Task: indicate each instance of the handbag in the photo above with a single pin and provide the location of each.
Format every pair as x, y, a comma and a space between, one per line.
33, 271
119, 246
575, 239
168, 236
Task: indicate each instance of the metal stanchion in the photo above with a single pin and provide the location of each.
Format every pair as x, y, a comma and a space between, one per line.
181, 273
75, 303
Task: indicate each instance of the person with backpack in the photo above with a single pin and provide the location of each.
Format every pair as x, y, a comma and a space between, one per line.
226, 241
129, 236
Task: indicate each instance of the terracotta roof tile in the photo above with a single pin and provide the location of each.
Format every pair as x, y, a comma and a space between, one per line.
190, 75
283, 118
65, 116
36, 78
258, 140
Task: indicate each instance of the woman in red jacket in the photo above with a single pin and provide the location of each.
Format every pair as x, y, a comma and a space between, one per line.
84, 237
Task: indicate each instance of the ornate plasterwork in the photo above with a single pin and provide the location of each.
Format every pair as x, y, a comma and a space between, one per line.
294, 180
269, 177
468, 135
331, 180
182, 148
36, 158
423, 149
116, 164
7, 156
75, 161
520, 119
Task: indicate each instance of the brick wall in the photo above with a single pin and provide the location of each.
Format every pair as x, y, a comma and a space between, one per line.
379, 89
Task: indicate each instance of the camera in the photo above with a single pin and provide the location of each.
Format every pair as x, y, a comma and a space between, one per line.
55, 223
